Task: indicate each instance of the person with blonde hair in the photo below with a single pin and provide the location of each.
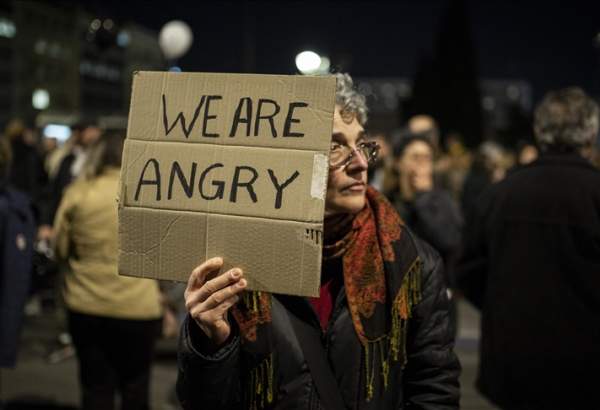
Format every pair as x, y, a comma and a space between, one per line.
113, 320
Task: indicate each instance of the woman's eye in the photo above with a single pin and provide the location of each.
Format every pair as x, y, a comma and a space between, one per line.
335, 147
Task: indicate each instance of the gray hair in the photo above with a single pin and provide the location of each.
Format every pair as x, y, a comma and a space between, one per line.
349, 99
567, 118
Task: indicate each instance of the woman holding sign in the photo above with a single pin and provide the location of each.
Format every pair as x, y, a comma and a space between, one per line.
378, 336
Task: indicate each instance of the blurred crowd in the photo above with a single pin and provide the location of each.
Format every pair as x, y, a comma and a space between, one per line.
59, 225
518, 229
59, 203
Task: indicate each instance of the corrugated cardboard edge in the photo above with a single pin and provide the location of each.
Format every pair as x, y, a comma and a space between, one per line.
292, 253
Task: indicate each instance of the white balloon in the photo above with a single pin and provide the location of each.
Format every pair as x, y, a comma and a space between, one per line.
175, 39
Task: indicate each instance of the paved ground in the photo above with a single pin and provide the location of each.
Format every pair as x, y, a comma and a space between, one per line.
37, 384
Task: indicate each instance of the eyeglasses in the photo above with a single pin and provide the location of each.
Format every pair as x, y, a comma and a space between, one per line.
341, 155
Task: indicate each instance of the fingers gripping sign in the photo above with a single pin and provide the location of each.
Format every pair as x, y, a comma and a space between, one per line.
209, 296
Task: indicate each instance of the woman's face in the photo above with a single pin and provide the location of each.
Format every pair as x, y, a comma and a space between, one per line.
417, 158
347, 185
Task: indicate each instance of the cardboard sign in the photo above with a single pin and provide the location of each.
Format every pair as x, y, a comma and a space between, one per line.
227, 165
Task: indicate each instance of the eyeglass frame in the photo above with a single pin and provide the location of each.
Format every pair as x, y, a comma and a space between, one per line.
344, 163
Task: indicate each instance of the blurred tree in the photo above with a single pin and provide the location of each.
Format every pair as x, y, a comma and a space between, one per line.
447, 85
426, 84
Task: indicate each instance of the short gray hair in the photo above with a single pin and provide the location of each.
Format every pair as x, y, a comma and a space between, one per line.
349, 99
567, 118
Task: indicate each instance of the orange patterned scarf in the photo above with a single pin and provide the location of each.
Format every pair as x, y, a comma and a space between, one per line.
382, 277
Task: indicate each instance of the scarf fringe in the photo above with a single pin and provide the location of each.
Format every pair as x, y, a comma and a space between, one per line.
260, 380
251, 300
260, 384
392, 347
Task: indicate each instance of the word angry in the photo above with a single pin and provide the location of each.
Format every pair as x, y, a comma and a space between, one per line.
200, 182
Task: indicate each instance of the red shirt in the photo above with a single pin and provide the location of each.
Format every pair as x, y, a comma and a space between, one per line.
331, 282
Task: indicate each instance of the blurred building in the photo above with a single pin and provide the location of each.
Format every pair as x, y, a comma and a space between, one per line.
385, 99
8, 32
61, 60
506, 104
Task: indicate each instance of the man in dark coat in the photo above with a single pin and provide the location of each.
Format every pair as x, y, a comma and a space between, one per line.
531, 263
27, 173
16, 247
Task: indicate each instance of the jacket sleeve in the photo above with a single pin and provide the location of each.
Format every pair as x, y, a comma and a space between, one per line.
207, 380
471, 266
439, 220
431, 376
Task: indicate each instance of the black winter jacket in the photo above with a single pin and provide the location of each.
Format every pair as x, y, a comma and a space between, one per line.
437, 219
429, 380
531, 262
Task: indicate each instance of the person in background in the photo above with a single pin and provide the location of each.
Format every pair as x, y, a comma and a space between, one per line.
17, 229
113, 320
488, 167
531, 263
429, 211
527, 152
427, 127
452, 166
50, 148
72, 158
27, 168
64, 166
381, 174
595, 156
376, 338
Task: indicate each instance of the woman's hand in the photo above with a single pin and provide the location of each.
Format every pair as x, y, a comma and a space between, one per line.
208, 301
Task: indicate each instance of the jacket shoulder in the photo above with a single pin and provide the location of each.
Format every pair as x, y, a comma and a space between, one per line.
430, 258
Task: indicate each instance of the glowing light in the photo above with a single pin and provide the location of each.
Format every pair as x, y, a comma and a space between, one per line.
488, 103
123, 39
95, 25
7, 28
40, 99
108, 24
308, 62
513, 92
58, 131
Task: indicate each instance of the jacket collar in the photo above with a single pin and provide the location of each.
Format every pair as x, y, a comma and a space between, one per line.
569, 159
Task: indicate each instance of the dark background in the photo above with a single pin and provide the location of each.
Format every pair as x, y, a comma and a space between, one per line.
549, 43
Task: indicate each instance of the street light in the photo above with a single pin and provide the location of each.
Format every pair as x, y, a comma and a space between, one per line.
40, 99
308, 62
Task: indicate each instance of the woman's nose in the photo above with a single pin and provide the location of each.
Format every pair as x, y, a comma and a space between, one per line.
358, 162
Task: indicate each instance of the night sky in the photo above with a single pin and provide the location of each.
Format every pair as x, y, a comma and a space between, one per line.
548, 43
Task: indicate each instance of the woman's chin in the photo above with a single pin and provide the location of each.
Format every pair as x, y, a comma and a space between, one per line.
347, 205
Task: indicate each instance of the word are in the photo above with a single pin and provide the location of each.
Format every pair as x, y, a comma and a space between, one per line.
248, 117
